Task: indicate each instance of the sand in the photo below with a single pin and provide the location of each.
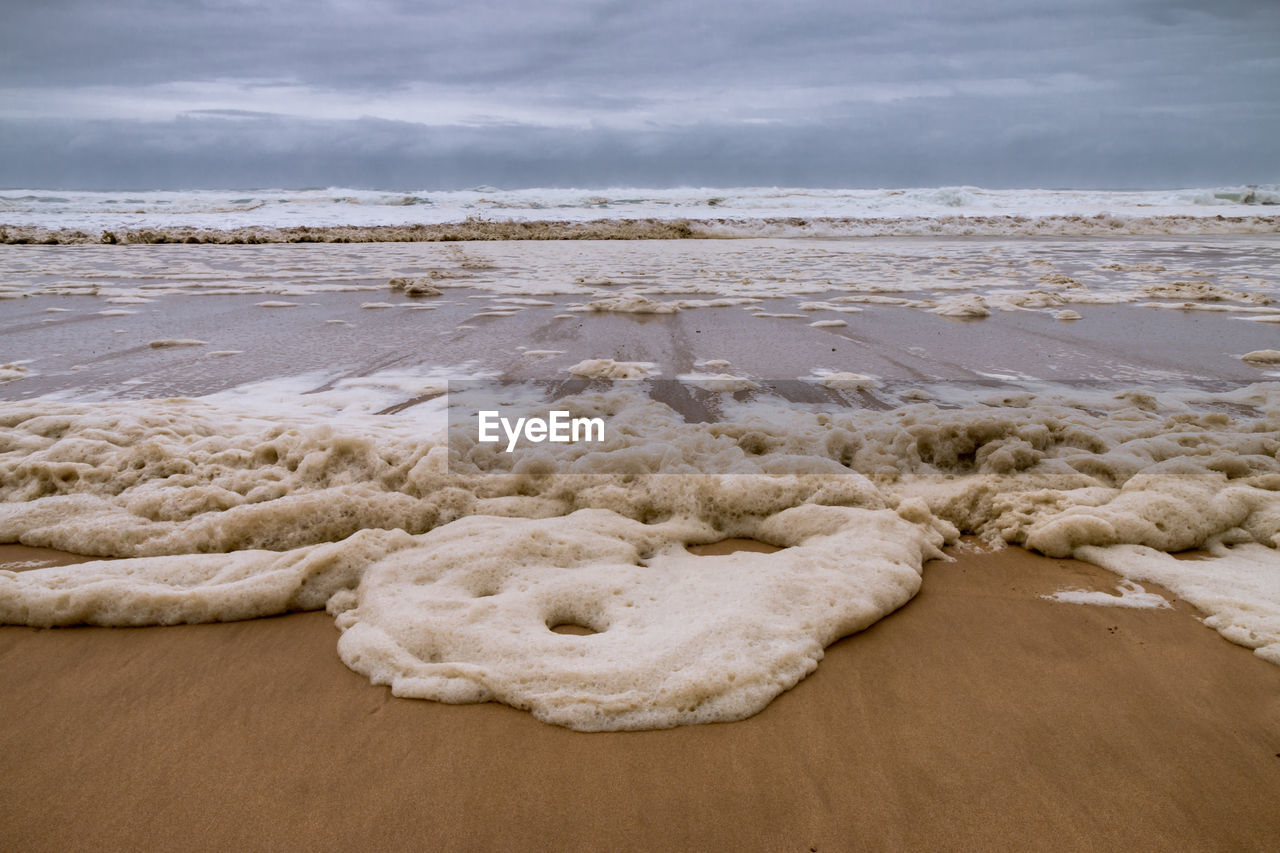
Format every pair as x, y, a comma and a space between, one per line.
980, 715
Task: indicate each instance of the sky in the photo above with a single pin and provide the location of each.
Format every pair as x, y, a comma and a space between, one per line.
393, 94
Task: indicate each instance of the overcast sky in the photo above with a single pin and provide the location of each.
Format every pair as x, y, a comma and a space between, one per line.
516, 93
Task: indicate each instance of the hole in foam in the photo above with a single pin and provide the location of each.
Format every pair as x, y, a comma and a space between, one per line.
572, 628
731, 546
572, 621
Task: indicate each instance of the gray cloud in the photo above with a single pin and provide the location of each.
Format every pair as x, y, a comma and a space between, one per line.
441, 94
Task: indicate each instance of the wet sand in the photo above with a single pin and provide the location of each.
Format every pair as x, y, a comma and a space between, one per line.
81, 350
978, 716
72, 341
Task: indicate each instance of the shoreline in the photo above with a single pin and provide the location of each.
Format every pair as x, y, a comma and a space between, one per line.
476, 229
979, 714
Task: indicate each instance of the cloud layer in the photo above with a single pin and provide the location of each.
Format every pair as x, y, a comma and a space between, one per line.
444, 95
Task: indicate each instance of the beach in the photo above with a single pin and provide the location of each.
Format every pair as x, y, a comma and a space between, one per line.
831, 576
979, 715
605, 426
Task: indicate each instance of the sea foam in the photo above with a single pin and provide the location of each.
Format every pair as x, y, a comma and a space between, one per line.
447, 563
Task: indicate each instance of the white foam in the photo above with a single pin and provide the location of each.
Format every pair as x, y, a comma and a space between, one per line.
843, 380
343, 492
721, 382
1238, 587
828, 306
632, 304
607, 368
416, 287
680, 639
1131, 595
968, 306
1026, 299
14, 371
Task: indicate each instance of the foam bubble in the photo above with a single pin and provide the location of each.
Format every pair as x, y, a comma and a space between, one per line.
416, 287
632, 304
967, 306
607, 368
720, 382
14, 371
843, 379
828, 306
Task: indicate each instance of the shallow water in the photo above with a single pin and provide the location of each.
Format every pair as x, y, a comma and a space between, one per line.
85, 317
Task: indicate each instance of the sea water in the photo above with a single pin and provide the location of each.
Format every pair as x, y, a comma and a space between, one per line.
743, 211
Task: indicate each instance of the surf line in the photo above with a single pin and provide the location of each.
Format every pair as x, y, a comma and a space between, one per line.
557, 427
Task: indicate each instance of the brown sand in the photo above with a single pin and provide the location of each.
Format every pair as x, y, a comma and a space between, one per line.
978, 716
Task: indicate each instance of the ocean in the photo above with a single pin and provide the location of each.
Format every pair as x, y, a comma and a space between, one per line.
743, 211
